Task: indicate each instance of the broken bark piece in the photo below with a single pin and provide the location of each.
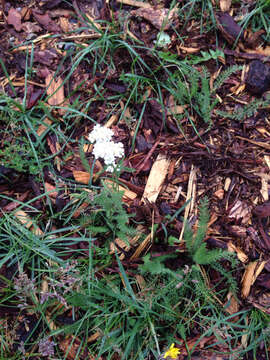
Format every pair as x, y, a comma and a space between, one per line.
229, 28
161, 19
262, 210
46, 21
258, 77
15, 19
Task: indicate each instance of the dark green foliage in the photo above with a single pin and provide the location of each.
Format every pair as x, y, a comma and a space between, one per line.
19, 156
241, 113
200, 254
193, 87
194, 242
224, 75
206, 56
155, 266
108, 215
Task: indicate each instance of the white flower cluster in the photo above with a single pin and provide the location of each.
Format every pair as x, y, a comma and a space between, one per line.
104, 147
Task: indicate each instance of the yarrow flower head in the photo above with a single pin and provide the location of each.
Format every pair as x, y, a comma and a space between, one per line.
100, 134
172, 353
104, 147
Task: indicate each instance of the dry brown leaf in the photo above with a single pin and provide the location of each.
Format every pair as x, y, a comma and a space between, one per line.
51, 189
46, 21
81, 176
156, 178
64, 24
14, 18
176, 109
71, 346
30, 27
161, 18
232, 305
225, 5
240, 254
219, 194
23, 218
84, 177
43, 127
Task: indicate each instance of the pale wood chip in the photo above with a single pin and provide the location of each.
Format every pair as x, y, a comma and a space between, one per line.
55, 90
225, 5
191, 194
251, 273
156, 178
144, 245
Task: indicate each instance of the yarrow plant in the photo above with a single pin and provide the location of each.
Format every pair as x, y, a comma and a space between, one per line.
104, 147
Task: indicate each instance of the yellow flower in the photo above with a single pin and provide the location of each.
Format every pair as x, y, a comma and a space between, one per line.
173, 352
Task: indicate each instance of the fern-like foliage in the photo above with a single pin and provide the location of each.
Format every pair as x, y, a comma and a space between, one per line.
108, 215
193, 87
247, 110
194, 242
224, 75
201, 255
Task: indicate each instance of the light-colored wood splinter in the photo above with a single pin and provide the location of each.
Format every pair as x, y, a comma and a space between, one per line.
191, 194
156, 178
251, 273
225, 5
